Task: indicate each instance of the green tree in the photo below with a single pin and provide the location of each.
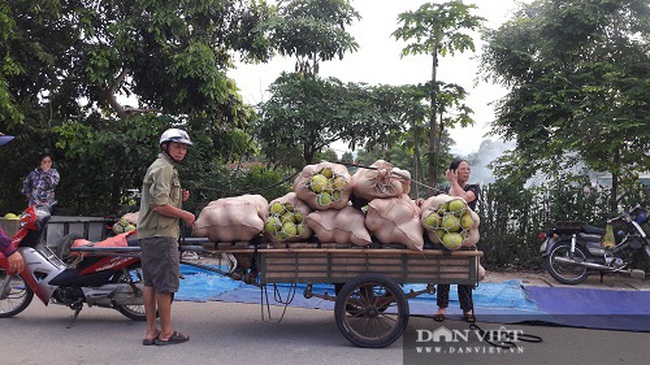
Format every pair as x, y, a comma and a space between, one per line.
313, 31
70, 67
437, 30
305, 115
579, 77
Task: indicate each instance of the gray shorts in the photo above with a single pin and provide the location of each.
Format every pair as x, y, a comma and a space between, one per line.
161, 263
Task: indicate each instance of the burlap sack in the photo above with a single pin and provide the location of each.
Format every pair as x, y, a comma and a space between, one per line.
324, 185
132, 217
340, 226
396, 220
232, 219
286, 220
439, 221
383, 181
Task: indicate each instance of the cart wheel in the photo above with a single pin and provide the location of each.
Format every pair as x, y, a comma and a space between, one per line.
371, 311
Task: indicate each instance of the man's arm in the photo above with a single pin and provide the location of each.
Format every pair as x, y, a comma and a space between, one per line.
169, 210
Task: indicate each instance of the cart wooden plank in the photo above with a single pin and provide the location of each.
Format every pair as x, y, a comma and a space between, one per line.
339, 265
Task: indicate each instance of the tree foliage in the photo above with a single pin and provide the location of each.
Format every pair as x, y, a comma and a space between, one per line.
438, 30
579, 77
313, 31
305, 115
113, 74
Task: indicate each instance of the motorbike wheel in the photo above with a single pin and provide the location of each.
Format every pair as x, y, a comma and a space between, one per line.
563, 272
132, 311
63, 248
18, 295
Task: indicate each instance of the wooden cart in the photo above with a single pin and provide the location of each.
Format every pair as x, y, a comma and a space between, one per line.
371, 308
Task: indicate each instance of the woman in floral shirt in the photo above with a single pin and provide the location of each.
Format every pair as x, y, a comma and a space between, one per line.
39, 184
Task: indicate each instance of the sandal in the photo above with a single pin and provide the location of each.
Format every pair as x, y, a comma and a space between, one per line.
439, 317
175, 338
469, 317
149, 342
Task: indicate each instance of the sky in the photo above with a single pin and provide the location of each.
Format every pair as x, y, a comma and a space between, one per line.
378, 61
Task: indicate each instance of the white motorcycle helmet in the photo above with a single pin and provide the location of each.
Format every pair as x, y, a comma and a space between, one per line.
4, 139
175, 135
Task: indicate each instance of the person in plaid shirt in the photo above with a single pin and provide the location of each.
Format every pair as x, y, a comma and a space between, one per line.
39, 184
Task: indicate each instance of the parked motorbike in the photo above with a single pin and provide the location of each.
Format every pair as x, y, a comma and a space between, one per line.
109, 279
573, 250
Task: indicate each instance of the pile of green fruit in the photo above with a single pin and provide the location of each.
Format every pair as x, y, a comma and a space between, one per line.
122, 226
11, 216
327, 186
450, 222
284, 222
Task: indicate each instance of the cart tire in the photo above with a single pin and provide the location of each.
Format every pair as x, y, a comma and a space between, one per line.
371, 311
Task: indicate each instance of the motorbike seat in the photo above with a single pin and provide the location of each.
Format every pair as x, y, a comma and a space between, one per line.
120, 240
593, 229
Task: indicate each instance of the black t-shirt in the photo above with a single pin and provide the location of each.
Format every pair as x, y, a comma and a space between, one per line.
475, 188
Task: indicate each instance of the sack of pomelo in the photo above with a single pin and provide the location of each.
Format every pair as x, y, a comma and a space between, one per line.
232, 219
449, 221
342, 226
324, 185
396, 220
286, 220
381, 181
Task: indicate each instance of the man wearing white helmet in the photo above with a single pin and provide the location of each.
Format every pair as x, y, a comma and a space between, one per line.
158, 232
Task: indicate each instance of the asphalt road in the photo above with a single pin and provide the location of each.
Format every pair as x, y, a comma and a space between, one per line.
232, 333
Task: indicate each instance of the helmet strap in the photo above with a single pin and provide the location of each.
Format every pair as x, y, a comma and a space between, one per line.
165, 148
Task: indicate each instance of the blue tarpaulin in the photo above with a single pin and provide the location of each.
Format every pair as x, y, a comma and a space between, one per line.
595, 308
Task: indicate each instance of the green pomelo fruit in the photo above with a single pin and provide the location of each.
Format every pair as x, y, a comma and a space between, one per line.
288, 217
432, 221
327, 172
324, 199
441, 233
277, 208
318, 183
338, 183
301, 229
466, 221
289, 229
289, 207
336, 195
456, 206
272, 225
452, 240
297, 216
451, 223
